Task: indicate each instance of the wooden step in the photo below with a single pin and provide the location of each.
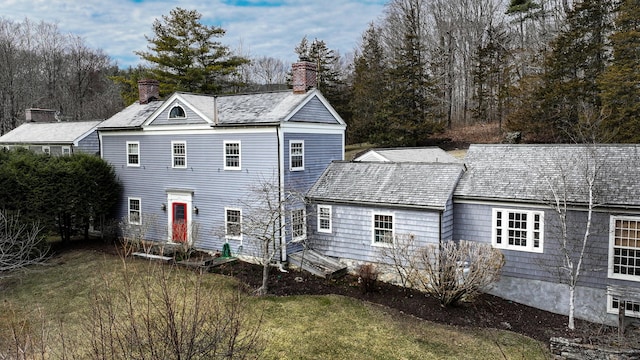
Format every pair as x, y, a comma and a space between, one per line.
317, 264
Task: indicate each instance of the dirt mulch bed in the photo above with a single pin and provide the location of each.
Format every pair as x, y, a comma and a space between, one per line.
486, 312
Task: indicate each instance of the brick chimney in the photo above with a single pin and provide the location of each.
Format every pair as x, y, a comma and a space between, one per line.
304, 76
148, 90
40, 115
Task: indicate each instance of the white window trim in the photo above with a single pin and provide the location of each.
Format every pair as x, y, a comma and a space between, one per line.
224, 152
177, 117
128, 153
139, 222
226, 224
530, 216
612, 233
291, 143
329, 208
373, 228
612, 310
304, 225
46, 149
66, 150
173, 155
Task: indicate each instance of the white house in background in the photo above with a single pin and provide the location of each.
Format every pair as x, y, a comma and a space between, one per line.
432, 154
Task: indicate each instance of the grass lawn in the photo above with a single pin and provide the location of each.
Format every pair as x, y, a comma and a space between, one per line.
296, 327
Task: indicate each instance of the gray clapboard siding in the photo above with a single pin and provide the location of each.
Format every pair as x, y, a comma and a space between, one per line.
352, 230
314, 111
90, 144
213, 187
319, 151
474, 222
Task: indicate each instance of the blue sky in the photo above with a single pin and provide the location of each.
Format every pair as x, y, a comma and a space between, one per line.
254, 27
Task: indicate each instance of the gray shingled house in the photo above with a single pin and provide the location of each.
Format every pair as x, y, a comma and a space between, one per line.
359, 207
507, 198
55, 138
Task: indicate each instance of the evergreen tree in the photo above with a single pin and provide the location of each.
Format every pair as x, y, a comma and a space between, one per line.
491, 76
368, 89
186, 57
578, 57
567, 94
410, 106
620, 81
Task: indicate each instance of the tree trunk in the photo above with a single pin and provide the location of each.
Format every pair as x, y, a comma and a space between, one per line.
572, 306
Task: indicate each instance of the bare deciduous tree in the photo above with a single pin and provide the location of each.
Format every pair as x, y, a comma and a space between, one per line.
266, 219
21, 245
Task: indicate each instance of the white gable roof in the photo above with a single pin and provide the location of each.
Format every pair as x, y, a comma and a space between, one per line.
427, 154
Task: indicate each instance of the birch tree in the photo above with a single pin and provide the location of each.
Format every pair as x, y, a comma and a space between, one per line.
579, 177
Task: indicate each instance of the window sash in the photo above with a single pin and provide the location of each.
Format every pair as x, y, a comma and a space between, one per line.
233, 223
232, 155
179, 154
296, 155
632, 308
135, 211
298, 228
133, 153
382, 229
624, 248
324, 218
520, 230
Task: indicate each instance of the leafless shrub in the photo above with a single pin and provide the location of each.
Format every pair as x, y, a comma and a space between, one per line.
21, 245
457, 271
367, 277
399, 254
134, 236
24, 337
167, 315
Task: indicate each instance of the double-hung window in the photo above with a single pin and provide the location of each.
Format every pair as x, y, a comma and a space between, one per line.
296, 155
518, 230
624, 248
233, 223
46, 149
298, 226
135, 211
324, 218
382, 229
232, 155
179, 154
133, 153
66, 150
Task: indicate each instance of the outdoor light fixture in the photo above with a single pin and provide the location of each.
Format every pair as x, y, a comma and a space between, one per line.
163, 207
196, 210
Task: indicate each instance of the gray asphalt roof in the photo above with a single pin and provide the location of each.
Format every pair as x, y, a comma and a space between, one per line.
427, 185
256, 108
531, 173
425, 154
48, 133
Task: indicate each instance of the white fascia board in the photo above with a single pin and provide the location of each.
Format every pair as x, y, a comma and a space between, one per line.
315, 128
206, 130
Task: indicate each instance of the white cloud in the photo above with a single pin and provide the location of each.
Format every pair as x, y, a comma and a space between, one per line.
118, 27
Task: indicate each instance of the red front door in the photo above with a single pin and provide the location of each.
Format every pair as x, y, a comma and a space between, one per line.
179, 223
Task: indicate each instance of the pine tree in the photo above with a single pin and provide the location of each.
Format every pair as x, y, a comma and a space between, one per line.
410, 107
578, 57
620, 83
368, 89
186, 57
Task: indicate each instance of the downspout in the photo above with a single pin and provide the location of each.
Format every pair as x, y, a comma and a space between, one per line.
283, 245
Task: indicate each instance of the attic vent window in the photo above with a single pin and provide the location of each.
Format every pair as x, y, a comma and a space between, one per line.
177, 112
